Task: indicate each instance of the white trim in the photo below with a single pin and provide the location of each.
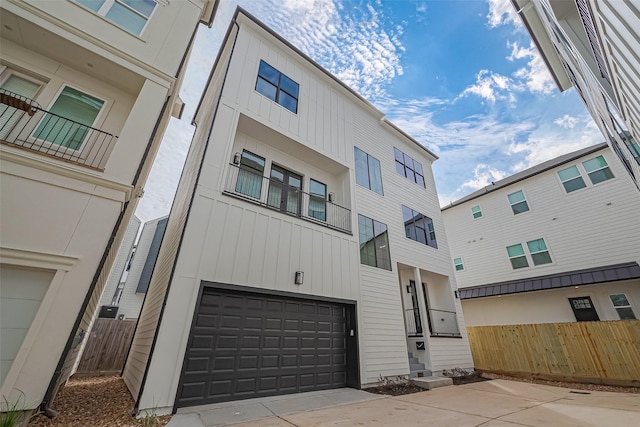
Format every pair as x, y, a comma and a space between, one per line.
42, 260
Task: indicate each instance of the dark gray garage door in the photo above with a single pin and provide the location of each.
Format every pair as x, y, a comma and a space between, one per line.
245, 345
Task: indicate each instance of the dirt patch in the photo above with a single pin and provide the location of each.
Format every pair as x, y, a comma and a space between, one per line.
95, 402
395, 389
575, 386
468, 379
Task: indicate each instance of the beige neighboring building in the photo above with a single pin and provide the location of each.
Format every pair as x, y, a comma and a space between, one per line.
594, 46
87, 89
559, 242
305, 249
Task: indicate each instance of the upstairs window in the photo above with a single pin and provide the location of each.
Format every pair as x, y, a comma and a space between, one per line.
368, 171
132, 15
457, 262
317, 200
476, 212
250, 174
517, 256
409, 168
419, 227
571, 179
277, 87
374, 243
539, 252
518, 202
597, 169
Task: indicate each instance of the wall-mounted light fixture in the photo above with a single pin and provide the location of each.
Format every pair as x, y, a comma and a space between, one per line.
299, 278
408, 289
236, 158
456, 294
332, 197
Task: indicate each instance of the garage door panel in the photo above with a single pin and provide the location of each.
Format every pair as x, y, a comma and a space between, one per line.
245, 345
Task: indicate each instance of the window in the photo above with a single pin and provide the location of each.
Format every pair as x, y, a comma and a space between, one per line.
457, 262
317, 200
622, 306
277, 87
23, 87
368, 171
476, 212
597, 169
517, 256
250, 173
571, 179
537, 250
419, 227
539, 253
285, 189
69, 119
408, 167
132, 15
518, 202
374, 243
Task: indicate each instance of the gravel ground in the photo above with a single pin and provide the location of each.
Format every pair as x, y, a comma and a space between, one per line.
575, 386
95, 402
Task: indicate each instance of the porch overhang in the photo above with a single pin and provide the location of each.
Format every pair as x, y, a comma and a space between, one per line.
590, 276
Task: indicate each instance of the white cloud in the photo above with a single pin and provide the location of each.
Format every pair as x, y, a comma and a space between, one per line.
535, 76
491, 87
483, 175
502, 12
566, 121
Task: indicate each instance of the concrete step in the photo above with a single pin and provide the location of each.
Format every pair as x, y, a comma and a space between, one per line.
419, 373
413, 360
429, 383
416, 367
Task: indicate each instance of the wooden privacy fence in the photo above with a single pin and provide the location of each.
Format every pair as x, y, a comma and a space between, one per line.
598, 352
107, 346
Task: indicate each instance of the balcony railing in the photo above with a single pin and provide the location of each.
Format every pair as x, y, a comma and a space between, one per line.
413, 322
251, 186
443, 323
23, 123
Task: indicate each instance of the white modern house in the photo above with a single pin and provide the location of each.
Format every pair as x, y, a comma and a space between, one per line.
305, 249
131, 274
559, 242
594, 46
86, 91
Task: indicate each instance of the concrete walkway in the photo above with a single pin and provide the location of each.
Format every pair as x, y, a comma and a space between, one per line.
497, 403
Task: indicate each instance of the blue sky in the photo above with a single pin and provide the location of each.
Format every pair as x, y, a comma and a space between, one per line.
461, 77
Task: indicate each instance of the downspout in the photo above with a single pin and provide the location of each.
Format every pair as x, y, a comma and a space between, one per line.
44, 405
173, 269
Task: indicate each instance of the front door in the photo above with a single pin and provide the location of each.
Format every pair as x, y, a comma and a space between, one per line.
285, 190
583, 309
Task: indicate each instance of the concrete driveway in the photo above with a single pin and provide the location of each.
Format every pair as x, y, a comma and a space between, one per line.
494, 403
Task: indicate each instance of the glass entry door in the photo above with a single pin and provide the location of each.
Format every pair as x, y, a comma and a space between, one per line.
285, 190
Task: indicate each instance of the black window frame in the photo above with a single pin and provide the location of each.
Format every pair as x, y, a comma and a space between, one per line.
418, 225
318, 198
371, 163
408, 167
380, 239
281, 83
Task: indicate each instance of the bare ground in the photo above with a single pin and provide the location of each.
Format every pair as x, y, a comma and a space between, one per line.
95, 402
575, 386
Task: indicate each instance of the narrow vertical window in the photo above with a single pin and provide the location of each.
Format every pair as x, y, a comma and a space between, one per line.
476, 212
368, 172
457, 262
374, 243
317, 200
518, 202
250, 174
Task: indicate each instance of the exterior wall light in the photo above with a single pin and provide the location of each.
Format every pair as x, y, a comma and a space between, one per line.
299, 277
236, 159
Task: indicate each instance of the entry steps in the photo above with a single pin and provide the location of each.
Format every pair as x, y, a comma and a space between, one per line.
420, 376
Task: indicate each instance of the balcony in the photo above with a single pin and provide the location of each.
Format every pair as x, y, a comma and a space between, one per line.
246, 184
24, 124
443, 323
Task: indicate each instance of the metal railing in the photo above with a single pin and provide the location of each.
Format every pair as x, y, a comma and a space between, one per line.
250, 185
413, 322
23, 123
443, 323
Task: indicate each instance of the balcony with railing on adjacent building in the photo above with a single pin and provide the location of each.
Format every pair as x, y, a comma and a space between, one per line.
246, 184
24, 124
443, 323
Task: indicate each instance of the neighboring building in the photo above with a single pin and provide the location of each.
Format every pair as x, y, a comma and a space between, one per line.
594, 46
129, 279
559, 242
302, 223
87, 89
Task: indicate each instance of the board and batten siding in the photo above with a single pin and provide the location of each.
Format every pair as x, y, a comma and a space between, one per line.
587, 228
